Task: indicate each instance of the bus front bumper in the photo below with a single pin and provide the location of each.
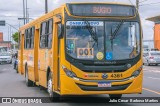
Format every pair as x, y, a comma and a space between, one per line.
75, 86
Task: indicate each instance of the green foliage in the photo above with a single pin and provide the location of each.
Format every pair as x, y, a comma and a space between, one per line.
15, 37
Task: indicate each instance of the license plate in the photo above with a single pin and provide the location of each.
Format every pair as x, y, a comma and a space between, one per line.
104, 84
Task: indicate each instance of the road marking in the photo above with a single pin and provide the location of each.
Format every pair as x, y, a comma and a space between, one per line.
151, 91
155, 71
154, 78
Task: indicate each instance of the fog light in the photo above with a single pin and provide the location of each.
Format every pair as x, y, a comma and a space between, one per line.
68, 72
137, 72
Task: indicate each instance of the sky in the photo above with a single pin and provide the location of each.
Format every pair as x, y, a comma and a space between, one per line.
11, 10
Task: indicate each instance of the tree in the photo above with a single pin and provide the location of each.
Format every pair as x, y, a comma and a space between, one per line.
15, 37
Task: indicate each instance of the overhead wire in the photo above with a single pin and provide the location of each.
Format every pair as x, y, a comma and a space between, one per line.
143, 1
130, 2
150, 4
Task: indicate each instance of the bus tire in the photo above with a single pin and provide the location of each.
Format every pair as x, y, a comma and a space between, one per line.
10, 62
29, 83
53, 96
115, 96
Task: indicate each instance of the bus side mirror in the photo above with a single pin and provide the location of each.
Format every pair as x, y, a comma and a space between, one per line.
60, 30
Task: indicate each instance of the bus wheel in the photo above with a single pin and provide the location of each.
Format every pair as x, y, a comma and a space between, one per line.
28, 82
115, 96
10, 62
53, 96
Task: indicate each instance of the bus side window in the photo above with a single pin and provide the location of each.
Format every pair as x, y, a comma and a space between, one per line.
50, 33
46, 34
28, 39
42, 35
32, 37
25, 38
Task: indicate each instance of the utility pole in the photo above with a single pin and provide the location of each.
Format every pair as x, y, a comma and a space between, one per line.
46, 6
137, 4
10, 36
24, 12
26, 18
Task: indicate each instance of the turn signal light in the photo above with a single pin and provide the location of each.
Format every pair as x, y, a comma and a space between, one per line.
68, 72
137, 72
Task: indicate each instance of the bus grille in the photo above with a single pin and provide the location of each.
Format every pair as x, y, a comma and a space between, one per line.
96, 88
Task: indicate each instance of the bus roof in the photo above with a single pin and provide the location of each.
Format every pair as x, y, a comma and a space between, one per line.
114, 3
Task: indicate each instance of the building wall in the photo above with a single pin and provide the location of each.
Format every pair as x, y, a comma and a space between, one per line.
157, 36
5, 44
148, 44
1, 36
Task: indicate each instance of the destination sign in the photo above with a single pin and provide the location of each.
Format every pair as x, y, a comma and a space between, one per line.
101, 10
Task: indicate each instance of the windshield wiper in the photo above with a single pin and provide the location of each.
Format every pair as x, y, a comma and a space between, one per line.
114, 34
92, 32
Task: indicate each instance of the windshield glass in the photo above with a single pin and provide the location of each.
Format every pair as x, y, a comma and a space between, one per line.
2, 50
154, 50
154, 54
4, 54
122, 40
103, 40
84, 39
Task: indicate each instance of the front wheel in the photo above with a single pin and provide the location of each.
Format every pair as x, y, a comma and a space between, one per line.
115, 96
10, 62
53, 96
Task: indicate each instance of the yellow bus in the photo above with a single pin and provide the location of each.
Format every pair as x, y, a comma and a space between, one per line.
83, 49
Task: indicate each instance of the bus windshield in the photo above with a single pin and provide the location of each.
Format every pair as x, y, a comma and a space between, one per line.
2, 49
122, 40
115, 40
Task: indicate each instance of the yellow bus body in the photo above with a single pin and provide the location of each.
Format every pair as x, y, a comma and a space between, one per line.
42, 61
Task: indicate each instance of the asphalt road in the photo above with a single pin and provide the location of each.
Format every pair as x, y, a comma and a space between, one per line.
13, 85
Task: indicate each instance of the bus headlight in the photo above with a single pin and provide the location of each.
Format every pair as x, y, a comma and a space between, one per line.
68, 72
137, 72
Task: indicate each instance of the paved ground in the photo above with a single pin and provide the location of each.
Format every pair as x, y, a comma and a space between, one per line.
13, 84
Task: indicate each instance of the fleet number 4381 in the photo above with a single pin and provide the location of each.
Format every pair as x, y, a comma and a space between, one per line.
116, 75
